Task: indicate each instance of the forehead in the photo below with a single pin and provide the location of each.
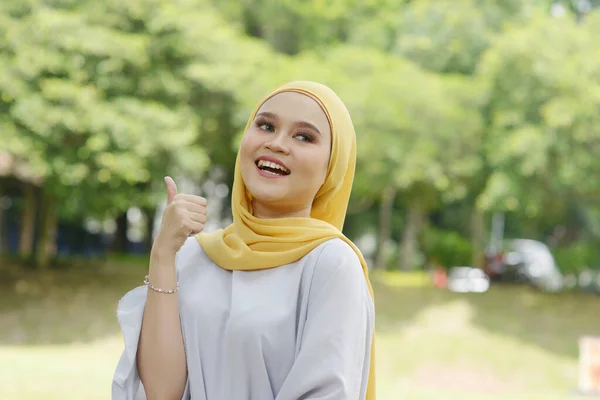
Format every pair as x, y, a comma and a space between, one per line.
296, 107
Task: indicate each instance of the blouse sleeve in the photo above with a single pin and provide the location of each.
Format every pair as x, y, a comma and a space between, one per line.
130, 311
333, 360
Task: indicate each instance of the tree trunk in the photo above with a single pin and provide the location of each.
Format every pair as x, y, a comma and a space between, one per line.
386, 210
150, 214
120, 242
4, 246
46, 245
415, 216
3, 230
478, 237
27, 225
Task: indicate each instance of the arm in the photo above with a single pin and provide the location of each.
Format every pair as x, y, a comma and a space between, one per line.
132, 312
161, 354
333, 360
154, 346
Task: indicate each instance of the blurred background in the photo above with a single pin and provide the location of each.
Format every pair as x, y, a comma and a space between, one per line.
476, 199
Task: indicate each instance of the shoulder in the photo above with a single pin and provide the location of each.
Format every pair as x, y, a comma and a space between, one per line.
336, 253
336, 261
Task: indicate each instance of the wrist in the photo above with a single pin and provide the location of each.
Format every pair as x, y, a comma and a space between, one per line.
162, 256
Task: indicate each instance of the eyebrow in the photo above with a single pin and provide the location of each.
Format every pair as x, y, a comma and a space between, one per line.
303, 124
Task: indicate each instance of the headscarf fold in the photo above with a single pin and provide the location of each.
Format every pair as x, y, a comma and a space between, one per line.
252, 243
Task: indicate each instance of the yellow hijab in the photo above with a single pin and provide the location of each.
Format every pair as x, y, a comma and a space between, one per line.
252, 243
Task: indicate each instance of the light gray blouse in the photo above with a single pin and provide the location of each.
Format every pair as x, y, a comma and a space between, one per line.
299, 331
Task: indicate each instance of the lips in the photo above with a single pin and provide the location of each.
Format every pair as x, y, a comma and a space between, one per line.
271, 165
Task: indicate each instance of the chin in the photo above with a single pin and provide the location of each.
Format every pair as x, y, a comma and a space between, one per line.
265, 191
266, 195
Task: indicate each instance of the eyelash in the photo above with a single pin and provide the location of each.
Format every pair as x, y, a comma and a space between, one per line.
262, 122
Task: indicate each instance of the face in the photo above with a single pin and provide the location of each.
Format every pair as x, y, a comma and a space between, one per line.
284, 155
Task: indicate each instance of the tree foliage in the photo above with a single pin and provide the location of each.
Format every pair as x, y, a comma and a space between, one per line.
483, 106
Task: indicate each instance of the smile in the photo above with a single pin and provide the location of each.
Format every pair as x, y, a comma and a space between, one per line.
271, 168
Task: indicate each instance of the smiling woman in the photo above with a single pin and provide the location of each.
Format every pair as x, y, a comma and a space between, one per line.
290, 133
276, 306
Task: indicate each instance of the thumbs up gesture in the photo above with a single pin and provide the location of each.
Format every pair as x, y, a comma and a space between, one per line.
184, 216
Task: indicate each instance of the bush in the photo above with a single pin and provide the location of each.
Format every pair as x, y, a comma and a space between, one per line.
576, 257
448, 248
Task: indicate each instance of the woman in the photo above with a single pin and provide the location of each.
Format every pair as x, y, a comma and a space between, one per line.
276, 306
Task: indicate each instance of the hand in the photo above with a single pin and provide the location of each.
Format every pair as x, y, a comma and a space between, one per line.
184, 216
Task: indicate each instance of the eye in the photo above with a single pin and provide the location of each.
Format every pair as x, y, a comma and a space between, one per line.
305, 137
266, 126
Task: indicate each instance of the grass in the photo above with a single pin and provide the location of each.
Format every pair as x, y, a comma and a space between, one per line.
59, 337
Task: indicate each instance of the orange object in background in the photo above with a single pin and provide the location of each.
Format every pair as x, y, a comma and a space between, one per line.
440, 278
589, 365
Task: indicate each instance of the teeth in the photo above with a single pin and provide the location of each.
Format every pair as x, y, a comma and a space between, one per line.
269, 164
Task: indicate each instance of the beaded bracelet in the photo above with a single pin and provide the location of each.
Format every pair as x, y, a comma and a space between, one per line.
166, 291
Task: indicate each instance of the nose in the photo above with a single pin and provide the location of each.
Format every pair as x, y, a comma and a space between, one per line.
277, 143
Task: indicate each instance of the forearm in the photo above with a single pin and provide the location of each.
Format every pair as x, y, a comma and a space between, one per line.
161, 354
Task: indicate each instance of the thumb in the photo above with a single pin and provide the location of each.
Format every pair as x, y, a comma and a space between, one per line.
171, 189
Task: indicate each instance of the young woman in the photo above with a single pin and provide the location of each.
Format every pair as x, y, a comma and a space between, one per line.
278, 305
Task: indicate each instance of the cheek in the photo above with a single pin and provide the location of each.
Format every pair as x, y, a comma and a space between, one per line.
248, 144
318, 165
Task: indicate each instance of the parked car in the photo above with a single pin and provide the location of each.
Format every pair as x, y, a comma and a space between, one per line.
526, 261
467, 280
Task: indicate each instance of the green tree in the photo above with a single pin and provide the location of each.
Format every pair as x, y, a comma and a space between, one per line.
544, 81
89, 103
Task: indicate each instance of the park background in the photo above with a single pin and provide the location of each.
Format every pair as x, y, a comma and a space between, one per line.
477, 121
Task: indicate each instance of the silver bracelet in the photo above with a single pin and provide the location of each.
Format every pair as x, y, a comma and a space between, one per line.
159, 290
